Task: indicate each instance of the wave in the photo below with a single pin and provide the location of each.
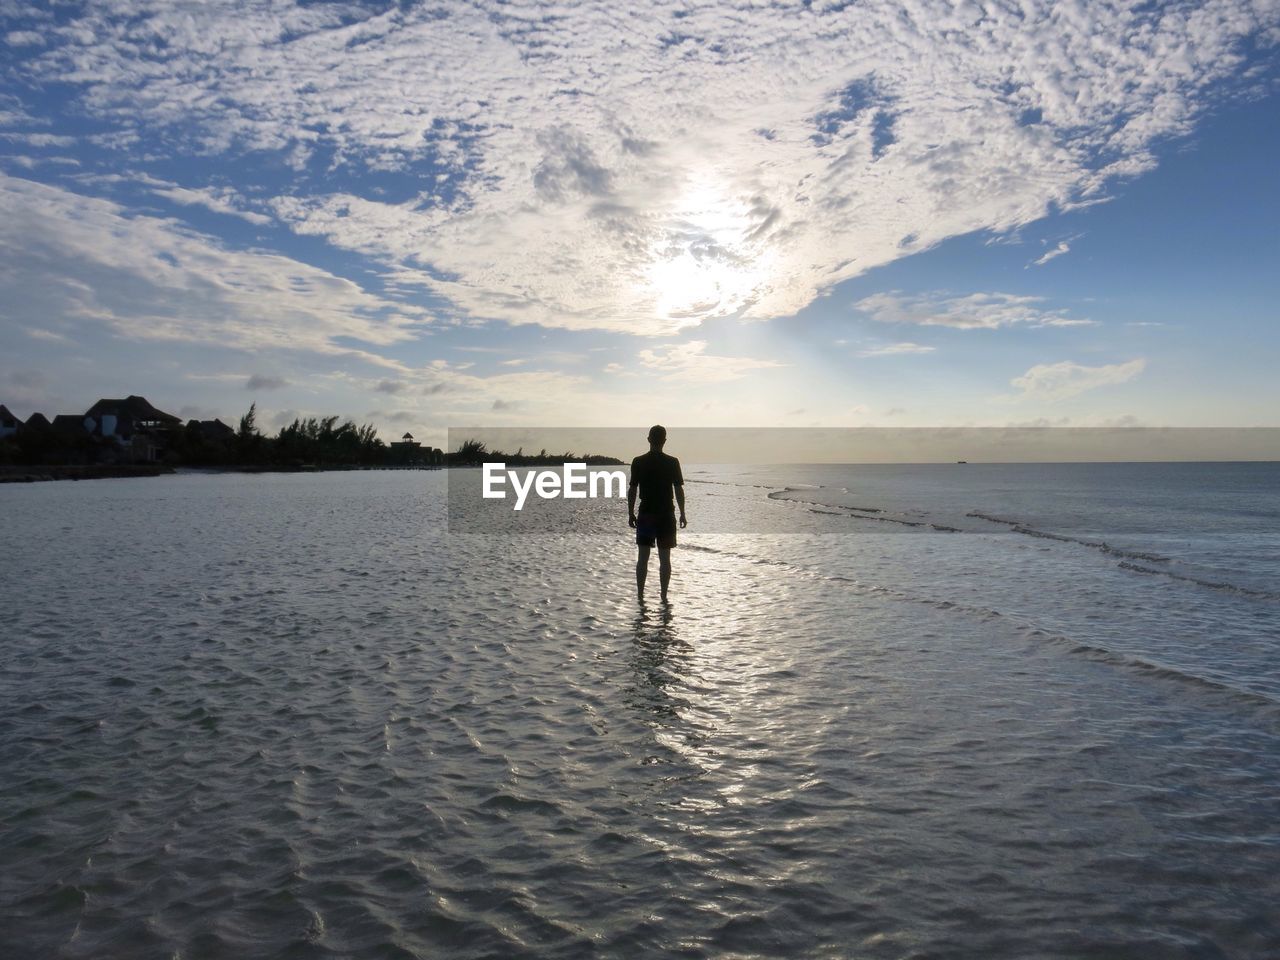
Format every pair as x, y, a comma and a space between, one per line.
1270, 706
782, 495
732, 483
1017, 526
1126, 556
1166, 672
1210, 584
855, 513
1129, 556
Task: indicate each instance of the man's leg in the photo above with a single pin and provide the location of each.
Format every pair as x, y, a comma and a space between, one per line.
642, 570
664, 568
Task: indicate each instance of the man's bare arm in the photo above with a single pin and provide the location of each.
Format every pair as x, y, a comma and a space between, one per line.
680, 502
631, 504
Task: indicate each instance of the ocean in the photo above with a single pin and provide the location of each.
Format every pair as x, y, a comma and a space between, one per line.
930, 711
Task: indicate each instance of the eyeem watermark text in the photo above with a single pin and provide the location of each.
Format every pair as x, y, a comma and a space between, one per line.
576, 482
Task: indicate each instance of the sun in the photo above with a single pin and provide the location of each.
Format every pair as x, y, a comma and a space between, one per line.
705, 263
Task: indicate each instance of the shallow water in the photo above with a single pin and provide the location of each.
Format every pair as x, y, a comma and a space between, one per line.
294, 716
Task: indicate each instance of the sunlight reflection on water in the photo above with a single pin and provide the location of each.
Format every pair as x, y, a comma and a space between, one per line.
312, 722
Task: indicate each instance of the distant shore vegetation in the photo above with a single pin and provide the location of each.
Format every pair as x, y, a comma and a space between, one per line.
473, 453
130, 432
129, 437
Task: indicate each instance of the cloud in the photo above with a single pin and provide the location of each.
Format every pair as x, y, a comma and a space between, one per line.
30, 163
258, 381
690, 361
88, 261
281, 418
224, 376
1058, 381
1064, 246
224, 200
895, 349
391, 386
39, 139
699, 162
27, 378
24, 38
1057, 251
447, 393
975, 311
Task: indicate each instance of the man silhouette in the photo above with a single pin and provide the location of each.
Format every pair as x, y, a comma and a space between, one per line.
656, 477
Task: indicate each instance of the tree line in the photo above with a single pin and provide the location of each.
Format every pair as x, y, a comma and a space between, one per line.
319, 442
306, 442
472, 453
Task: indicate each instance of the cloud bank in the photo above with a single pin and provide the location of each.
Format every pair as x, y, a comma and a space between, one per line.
89, 261
1058, 381
975, 311
896, 349
578, 167
690, 362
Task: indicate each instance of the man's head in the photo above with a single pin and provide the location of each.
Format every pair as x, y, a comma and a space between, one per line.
657, 435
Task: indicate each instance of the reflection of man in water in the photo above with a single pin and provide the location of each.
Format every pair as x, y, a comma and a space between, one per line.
656, 476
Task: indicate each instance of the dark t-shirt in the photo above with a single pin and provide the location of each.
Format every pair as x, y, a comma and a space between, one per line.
656, 474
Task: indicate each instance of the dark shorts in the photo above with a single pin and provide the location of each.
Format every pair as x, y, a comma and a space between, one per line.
657, 528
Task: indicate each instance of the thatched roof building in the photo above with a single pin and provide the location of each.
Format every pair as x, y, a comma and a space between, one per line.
211, 430
9, 424
132, 413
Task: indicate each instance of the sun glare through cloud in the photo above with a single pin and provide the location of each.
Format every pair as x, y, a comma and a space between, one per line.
382, 187
705, 263
924, 354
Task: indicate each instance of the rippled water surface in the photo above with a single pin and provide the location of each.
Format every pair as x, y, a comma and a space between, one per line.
295, 716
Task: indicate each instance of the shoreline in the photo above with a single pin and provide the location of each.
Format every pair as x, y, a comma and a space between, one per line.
40, 473
45, 473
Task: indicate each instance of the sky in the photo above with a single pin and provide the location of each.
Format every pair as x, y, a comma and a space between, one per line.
440, 215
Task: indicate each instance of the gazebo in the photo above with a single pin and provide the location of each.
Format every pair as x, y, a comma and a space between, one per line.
406, 449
